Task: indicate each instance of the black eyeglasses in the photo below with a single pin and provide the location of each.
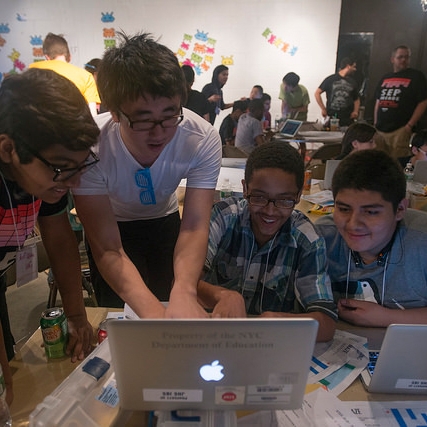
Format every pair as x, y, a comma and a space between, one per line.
144, 125
262, 201
63, 174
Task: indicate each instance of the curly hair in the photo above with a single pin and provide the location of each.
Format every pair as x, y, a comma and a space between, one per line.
278, 155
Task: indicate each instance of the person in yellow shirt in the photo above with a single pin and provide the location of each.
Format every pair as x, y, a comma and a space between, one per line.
57, 54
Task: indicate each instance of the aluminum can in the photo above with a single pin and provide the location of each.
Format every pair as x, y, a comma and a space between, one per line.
102, 331
307, 180
54, 327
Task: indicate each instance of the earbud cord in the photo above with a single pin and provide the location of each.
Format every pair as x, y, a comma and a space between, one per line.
248, 266
265, 272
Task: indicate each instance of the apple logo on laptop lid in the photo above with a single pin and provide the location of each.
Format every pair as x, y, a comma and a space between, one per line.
212, 372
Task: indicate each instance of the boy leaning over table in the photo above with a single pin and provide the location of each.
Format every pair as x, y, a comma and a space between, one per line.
46, 132
263, 257
376, 246
139, 246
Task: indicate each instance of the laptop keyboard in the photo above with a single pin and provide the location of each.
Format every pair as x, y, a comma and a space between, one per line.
373, 357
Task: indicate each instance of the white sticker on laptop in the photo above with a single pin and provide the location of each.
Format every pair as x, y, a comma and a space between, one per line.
230, 395
172, 395
411, 384
269, 393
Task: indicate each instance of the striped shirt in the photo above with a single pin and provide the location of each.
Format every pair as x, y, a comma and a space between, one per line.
287, 274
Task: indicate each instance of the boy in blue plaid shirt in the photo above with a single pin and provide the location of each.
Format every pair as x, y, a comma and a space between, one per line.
264, 258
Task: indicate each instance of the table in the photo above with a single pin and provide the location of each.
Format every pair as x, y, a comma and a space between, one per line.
35, 378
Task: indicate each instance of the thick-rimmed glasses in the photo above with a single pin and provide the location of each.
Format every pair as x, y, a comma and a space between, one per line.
145, 125
63, 174
143, 180
262, 202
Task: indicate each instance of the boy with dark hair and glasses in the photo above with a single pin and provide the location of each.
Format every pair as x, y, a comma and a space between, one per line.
127, 204
265, 258
46, 135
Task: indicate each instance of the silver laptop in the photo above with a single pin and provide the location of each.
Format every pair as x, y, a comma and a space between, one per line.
210, 364
400, 366
290, 128
330, 167
420, 171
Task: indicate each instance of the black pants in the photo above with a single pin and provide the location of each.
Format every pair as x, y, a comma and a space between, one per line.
9, 341
150, 245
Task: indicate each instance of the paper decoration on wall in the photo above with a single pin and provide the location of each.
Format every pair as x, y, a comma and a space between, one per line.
4, 28
198, 51
14, 56
109, 34
17, 64
37, 44
279, 43
21, 17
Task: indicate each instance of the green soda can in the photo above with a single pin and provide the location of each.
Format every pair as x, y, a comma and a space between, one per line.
53, 324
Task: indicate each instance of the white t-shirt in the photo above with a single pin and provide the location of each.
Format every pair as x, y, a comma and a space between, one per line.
194, 153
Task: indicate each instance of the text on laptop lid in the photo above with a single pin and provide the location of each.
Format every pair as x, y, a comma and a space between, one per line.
401, 365
210, 364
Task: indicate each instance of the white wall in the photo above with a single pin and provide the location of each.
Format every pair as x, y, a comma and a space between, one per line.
237, 29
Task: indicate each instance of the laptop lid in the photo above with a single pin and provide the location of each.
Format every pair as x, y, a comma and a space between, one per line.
401, 366
210, 364
290, 128
420, 171
330, 167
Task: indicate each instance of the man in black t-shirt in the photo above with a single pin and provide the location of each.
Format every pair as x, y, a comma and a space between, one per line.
401, 99
342, 95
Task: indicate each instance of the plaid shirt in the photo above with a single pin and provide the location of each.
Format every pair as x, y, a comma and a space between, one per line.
287, 274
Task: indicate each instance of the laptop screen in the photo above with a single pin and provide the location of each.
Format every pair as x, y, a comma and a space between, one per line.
210, 364
290, 127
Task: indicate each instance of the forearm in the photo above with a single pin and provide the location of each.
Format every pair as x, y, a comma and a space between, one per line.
7, 372
327, 325
356, 106
124, 278
417, 114
410, 315
189, 258
318, 97
61, 246
208, 295
376, 112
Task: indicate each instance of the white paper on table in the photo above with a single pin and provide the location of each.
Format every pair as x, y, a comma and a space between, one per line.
323, 198
345, 348
390, 414
320, 409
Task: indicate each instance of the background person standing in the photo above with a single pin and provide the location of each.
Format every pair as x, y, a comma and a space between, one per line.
401, 100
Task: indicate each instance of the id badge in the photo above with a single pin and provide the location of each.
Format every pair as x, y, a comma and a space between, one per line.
26, 264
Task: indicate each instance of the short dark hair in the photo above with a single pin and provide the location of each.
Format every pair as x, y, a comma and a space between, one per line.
55, 45
278, 155
291, 79
402, 46
139, 66
255, 105
419, 139
40, 108
371, 170
265, 97
241, 105
362, 132
346, 61
188, 74
92, 65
